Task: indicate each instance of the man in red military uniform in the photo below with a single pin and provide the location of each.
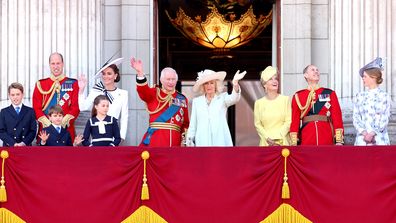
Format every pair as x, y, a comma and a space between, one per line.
316, 114
168, 109
57, 89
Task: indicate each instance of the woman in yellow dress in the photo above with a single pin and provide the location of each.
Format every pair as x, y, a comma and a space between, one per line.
272, 113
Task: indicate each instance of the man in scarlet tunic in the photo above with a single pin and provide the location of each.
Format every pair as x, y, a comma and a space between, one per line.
56, 90
167, 108
316, 114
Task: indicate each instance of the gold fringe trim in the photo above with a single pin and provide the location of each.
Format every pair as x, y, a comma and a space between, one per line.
7, 216
285, 213
145, 190
3, 193
285, 186
144, 214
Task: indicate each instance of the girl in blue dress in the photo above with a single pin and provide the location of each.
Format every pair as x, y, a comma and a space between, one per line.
101, 129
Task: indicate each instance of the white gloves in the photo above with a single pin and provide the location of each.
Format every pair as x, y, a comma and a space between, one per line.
238, 76
190, 142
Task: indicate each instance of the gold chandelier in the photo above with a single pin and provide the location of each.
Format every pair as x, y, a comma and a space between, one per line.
217, 32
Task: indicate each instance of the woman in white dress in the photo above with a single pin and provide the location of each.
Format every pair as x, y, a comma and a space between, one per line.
208, 123
118, 98
371, 108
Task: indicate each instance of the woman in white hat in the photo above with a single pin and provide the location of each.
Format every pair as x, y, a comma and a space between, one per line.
118, 98
208, 123
272, 113
371, 109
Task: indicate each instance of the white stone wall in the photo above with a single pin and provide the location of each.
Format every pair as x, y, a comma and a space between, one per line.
305, 40
128, 28
339, 36
32, 30
87, 33
359, 32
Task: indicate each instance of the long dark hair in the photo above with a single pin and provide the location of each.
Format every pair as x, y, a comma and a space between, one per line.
97, 100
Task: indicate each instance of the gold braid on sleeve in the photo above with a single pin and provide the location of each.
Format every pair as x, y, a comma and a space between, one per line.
66, 120
44, 121
293, 138
339, 136
310, 101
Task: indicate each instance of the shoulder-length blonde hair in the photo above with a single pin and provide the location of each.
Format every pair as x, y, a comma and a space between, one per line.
219, 87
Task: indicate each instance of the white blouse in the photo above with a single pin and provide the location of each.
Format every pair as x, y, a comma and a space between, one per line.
119, 106
371, 111
208, 123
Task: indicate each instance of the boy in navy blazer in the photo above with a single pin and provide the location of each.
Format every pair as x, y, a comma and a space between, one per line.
55, 134
18, 125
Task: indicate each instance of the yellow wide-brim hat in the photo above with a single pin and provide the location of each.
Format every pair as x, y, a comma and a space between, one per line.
208, 75
268, 73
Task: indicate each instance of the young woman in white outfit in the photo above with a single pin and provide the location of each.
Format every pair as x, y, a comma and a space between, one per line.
118, 98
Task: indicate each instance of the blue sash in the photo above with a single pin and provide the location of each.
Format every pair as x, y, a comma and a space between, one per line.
165, 116
66, 87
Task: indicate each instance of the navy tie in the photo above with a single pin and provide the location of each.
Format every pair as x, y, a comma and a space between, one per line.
58, 129
17, 109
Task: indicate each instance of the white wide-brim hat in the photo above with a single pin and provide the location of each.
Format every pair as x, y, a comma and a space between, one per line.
107, 64
208, 75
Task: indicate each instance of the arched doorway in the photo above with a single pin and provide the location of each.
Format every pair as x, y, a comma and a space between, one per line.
187, 59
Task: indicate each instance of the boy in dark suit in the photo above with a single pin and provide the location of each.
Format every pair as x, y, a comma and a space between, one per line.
55, 134
18, 125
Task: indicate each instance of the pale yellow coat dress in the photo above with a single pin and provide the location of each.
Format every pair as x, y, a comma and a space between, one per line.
272, 119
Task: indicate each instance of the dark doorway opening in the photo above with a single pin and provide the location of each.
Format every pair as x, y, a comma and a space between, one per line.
188, 58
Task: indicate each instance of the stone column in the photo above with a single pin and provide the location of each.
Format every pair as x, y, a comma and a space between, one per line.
32, 30
128, 28
359, 32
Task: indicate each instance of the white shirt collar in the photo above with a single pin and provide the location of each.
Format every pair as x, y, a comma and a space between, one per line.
55, 126
20, 106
